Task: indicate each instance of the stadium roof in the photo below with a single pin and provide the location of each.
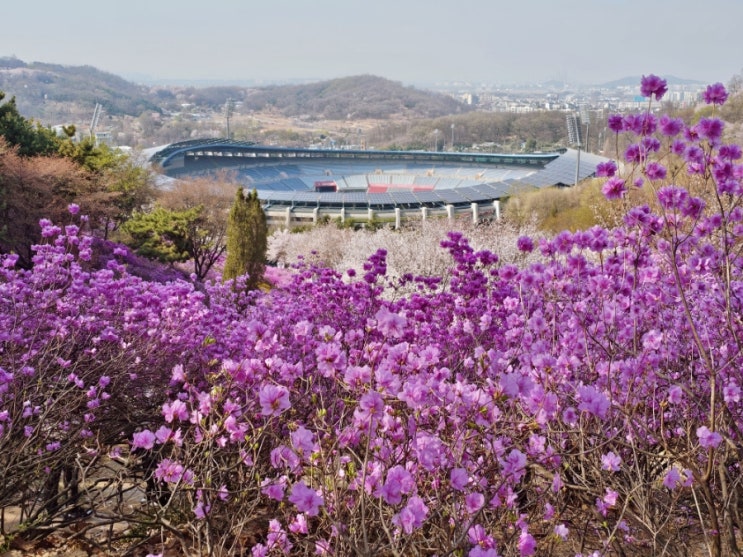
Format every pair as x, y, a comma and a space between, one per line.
404, 179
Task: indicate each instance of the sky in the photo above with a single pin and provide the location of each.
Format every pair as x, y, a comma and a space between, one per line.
410, 41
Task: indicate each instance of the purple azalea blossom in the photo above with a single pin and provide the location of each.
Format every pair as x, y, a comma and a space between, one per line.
593, 401
606, 169
670, 126
390, 324
525, 244
611, 462
653, 86
306, 499
730, 152
615, 123
710, 129
672, 197
672, 478
708, 439
715, 94
655, 171
399, 481
458, 478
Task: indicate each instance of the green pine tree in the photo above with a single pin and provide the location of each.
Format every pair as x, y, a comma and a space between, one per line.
247, 240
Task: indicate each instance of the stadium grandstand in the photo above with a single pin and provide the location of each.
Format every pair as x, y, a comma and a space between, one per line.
302, 186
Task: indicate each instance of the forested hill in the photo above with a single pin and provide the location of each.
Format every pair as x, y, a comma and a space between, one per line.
38, 85
364, 96
348, 98
49, 91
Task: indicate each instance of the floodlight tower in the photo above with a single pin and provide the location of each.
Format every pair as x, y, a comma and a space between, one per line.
229, 107
585, 118
96, 117
574, 138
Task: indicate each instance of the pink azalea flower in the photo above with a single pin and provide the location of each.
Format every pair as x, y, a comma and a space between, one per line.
399, 481
412, 516
274, 399
175, 410
473, 502
143, 440
390, 324
458, 478
527, 544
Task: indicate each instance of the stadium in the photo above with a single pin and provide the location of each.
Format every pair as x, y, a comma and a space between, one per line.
303, 186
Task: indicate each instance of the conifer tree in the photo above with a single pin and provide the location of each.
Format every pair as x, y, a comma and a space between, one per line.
247, 239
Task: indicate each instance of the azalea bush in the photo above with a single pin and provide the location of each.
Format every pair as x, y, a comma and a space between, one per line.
581, 398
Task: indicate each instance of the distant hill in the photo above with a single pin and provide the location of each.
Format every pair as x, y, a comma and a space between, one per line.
51, 91
634, 80
364, 96
38, 84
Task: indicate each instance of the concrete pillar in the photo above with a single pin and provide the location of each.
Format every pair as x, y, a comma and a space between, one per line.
370, 214
424, 213
475, 214
496, 205
397, 218
288, 220
315, 214
343, 214
450, 212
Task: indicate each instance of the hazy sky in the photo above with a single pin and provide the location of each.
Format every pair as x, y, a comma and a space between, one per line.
412, 41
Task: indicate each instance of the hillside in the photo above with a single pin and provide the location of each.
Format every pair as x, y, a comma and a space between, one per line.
44, 90
52, 93
348, 98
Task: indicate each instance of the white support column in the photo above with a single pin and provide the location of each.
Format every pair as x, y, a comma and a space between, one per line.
315, 214
370, 214
496, 205
397, 218
424, 213
288, 220
475, 214
450, 212
343, 214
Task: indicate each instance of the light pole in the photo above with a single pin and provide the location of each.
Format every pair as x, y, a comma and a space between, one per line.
435, 140
575, 139
228, 109
452, 137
